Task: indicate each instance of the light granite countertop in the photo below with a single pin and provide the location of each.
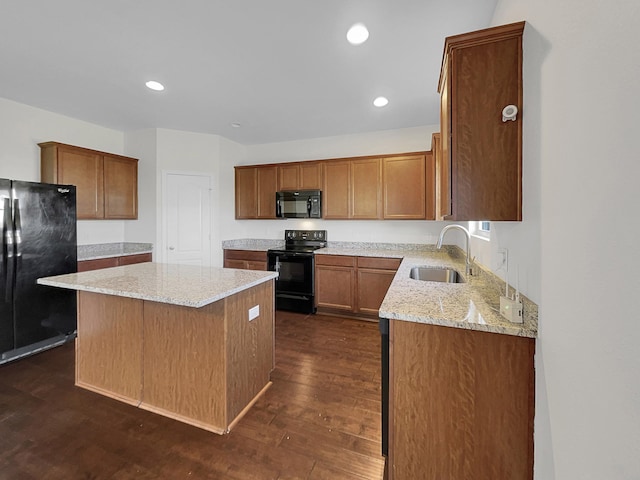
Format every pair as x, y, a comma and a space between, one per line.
185, 285
472, 305
108, 250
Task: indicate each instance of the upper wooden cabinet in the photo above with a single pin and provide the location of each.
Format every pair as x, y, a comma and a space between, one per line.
365, 195
106, 184
336, 189
256, 191
374, 188
300, 176
481, 75
408, 187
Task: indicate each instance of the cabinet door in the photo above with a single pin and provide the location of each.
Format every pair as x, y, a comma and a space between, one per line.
365, 188
335, 287
288, 177
404, 187
486, 153
335, 194
453, 389
246, 192
267, 178
372, 287
310, 176
84, 169
120, 188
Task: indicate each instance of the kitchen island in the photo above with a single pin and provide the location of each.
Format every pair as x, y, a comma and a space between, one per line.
192, 343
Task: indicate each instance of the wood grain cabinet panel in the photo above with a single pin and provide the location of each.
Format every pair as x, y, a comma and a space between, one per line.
120, 188
366, 176
245, 259
288, 177
482, 74
267, 179
255, 192
300, 176
353, 284
461, 404
405, 187
98, 263
106, 184
202, 366
310, 176
336, 189
246, 190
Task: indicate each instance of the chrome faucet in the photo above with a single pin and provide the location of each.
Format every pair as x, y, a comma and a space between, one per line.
468, 261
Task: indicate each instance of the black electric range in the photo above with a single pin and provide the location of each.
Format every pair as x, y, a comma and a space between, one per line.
295, 285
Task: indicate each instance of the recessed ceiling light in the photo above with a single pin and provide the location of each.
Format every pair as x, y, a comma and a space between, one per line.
153, 85
380, 101
236, 125
357, 34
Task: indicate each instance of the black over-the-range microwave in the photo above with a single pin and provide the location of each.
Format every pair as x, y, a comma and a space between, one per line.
299, 204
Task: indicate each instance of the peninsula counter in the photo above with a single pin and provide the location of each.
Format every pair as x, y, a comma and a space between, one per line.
192, 343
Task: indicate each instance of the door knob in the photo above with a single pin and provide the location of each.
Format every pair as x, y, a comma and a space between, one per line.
171, 248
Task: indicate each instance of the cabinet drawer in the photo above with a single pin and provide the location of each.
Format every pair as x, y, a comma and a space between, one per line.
336, 260
251, 255
137, 258
379, 263
87, 265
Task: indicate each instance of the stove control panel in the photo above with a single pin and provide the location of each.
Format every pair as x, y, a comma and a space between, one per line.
317, 235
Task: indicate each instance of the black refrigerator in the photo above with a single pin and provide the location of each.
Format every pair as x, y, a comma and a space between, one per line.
38, 240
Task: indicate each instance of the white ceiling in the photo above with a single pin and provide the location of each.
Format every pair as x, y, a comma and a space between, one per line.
281, 68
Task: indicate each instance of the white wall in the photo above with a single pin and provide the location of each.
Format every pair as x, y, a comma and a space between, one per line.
142, 144
21, 129
383, 142
581, 104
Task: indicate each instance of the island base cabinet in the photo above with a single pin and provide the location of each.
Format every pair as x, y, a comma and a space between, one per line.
109, 346
202, 366
200, 363
461, 404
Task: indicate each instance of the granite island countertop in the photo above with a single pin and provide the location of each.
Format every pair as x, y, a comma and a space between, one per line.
472, 305
185, 285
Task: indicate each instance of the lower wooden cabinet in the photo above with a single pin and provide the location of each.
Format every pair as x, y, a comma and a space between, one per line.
335, 282
98, 263
461, 404
353, 284
245, 259
374, 278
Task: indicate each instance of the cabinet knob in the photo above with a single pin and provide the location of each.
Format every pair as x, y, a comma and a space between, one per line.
171, 248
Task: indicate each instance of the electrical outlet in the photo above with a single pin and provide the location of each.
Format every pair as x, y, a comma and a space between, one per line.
503, 259
254, 312
511, 309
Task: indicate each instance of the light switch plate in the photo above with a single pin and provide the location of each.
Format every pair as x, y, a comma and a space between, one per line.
254, 312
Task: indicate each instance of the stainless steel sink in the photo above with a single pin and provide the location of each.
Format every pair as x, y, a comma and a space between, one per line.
436, 274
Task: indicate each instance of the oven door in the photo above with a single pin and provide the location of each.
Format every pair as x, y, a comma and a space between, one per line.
295, 271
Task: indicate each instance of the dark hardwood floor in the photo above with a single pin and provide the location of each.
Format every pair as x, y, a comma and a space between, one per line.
319, 420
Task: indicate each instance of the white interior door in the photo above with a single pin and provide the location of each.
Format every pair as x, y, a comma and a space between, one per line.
187, 228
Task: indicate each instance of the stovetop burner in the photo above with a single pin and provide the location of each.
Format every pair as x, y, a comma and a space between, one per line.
304, 240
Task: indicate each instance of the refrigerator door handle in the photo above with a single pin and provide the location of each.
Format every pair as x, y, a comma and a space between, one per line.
7, 230
7, 248
17, 227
